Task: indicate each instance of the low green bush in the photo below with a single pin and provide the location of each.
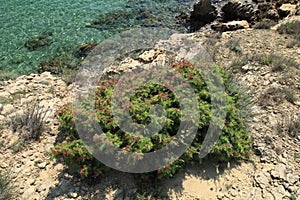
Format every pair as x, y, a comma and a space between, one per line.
265, 24
7, 189
234, 143
291, 28
32, 122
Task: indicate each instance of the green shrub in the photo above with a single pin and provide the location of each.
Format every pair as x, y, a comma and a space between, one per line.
31, 123
289, 125
293, 29
6, 187
277, 63
234, 45
234, 142
7, 75
264, 24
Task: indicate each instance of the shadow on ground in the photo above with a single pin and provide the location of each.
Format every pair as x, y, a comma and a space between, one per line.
119, 185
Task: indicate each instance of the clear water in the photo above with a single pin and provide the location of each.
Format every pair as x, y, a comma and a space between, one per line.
21, 20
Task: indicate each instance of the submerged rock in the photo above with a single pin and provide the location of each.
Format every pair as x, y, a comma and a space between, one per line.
52, 66
39, 41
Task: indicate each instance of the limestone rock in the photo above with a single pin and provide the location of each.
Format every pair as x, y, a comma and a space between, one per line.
262, 179
292, 178
230, 26
42, 165
286, 9
7, 109
279, 171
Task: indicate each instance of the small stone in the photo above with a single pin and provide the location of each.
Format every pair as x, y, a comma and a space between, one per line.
31, 181
233, 193
72, 195
41, 188
42, 165
262, 180
28, 193
67, 176
284, 155
4, 165
279, 171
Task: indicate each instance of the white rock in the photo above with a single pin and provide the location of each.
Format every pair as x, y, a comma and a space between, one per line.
42, 165
292, 178
72, 195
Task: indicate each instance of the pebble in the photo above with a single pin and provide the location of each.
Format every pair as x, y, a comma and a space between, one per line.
42, 165
72, 194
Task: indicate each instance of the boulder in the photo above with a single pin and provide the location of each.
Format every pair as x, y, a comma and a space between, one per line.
267, 11
236, 10
230, 26
53, 66
203, 12
272, 14
286, 9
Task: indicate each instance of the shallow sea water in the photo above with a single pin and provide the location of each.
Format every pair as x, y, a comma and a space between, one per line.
67, 20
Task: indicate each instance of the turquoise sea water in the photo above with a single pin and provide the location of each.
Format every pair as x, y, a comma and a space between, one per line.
68, 21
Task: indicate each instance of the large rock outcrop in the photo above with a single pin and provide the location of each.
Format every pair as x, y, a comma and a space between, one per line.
237, 10
203, 12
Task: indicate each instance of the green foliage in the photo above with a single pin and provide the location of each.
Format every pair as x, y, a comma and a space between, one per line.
17, 146
289, 125
234, 45
265, 24
7, 75
30, 125
234, 142
278, 63
6, 187
276, 96
293, 29
146, 197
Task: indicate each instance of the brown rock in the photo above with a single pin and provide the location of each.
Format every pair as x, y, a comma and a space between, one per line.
203, 13
236, 10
